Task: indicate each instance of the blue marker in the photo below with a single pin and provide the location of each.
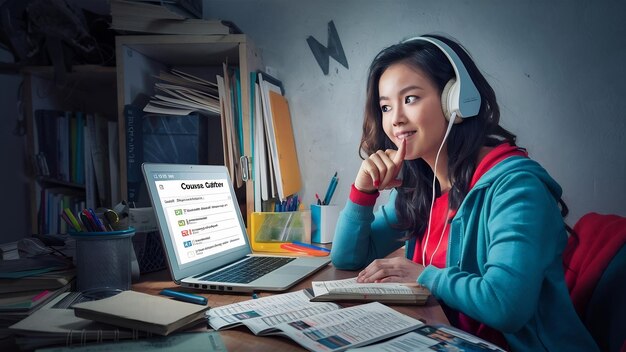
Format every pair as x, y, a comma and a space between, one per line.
185, 297
330, 190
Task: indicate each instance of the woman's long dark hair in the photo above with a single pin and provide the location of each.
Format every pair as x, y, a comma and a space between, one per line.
465, 139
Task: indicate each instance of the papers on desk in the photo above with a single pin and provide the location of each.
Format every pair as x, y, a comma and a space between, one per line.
314, 325
263, 314
433, 338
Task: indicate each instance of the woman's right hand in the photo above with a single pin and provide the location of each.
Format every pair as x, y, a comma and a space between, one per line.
380, 170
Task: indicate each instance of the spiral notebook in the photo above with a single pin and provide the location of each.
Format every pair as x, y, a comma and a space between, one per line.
55, 323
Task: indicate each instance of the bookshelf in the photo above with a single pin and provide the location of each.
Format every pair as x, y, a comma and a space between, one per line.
140, 58
87, 89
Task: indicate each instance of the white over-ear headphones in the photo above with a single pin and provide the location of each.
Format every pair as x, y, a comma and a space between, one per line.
459, 100
459, 95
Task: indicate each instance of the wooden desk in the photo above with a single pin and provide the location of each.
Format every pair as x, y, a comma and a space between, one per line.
241, 339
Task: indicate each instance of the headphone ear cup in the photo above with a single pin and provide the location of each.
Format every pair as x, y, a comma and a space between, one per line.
447, 103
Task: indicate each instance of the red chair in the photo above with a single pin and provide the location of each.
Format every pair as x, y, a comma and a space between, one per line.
595, 273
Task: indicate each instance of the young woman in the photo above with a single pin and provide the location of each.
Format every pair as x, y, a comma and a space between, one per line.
482, 223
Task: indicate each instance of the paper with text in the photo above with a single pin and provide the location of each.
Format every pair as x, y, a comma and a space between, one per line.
433, 338
349, 327
261, 315
351, 286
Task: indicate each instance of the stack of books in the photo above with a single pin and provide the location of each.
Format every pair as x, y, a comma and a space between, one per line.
165, 17
27, 284
74, 319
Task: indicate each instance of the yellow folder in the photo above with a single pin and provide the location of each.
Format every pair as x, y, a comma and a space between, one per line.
289, 170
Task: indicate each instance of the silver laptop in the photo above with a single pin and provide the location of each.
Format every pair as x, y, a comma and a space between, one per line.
204, 235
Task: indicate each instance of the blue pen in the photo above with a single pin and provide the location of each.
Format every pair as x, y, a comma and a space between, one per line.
294, 203
311, 246
185, 297
332, 190
99, 225
328, 191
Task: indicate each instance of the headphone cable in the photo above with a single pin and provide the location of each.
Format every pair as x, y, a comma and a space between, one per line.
432, 202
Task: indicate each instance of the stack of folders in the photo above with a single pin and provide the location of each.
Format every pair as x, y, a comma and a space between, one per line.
276, 168
231, 113
125, 316
27, 284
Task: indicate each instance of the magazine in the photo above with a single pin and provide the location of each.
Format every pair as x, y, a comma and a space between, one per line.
433, 338
317, 326
350, 290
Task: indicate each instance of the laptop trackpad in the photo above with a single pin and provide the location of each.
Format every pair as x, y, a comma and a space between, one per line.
293, 270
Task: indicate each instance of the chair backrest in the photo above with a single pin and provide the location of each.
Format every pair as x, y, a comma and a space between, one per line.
605, 316
595, 272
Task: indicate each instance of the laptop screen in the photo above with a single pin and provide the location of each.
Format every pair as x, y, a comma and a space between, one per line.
198, 216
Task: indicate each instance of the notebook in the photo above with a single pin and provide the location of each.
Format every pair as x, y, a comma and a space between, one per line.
204, 235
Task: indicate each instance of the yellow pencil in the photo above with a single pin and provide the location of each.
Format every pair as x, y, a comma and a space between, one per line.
72, 218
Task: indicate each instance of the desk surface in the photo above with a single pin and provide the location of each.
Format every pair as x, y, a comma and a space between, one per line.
241, 339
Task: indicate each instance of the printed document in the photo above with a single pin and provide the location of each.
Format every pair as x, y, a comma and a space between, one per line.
314, 325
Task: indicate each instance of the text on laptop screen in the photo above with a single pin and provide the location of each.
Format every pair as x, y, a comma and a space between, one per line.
201, 217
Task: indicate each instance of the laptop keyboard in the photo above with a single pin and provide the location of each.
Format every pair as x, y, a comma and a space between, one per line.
248, 270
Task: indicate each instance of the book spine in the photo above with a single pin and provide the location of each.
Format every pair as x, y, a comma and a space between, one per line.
89, 172
134, 150
73, 148
78, 150
63, 146
46, 121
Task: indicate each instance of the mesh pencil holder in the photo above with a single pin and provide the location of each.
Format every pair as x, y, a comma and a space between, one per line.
149, 251
103, 259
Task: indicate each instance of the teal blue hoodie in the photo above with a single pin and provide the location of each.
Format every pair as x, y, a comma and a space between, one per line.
504, 264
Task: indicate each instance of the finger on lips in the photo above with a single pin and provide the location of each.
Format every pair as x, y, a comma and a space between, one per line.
399, 157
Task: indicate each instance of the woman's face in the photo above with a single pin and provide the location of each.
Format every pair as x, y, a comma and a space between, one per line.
410, 103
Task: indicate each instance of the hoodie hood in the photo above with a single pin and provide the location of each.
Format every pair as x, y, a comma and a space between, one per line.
517, 164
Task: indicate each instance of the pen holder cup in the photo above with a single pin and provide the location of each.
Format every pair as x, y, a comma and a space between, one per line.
268, 230
323, 222
103, 259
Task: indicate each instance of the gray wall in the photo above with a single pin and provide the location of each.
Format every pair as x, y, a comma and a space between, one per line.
556, 66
